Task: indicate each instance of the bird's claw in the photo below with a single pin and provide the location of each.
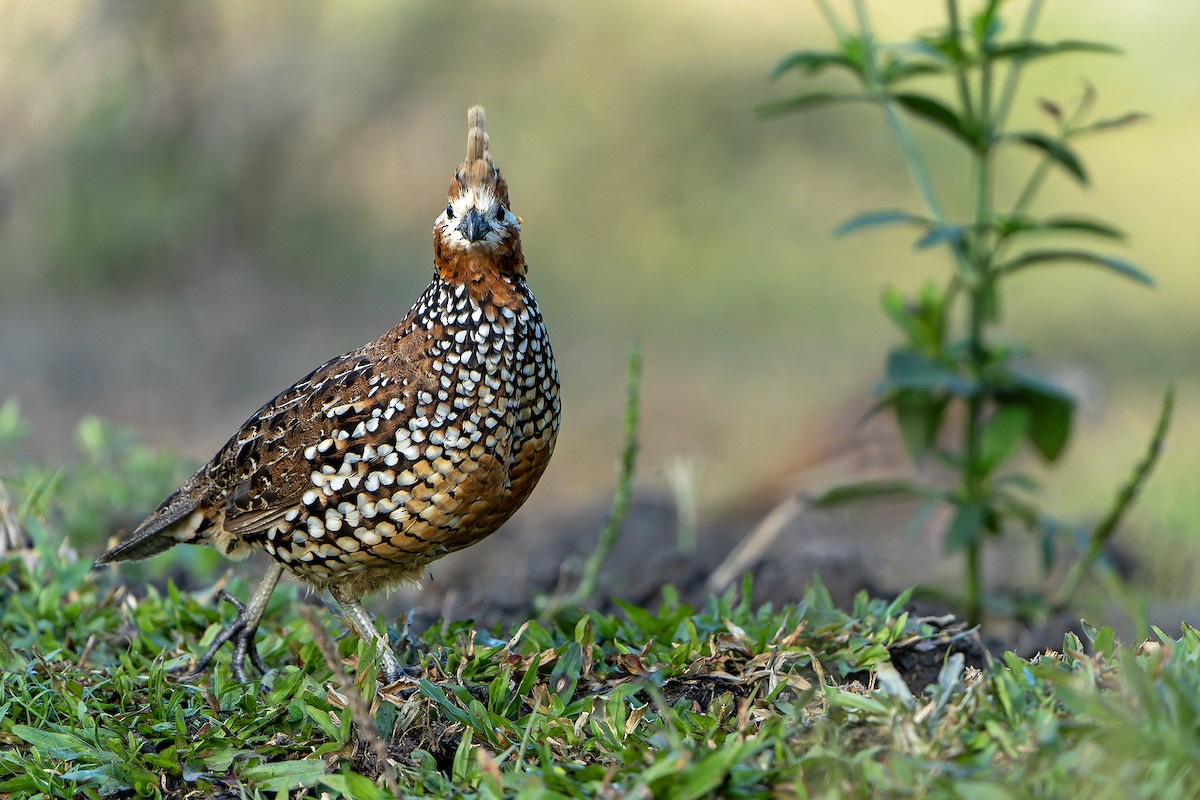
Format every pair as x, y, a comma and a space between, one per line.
399, 673
243, 645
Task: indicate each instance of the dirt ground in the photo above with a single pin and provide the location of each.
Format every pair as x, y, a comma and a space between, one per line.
498, 580
776, 536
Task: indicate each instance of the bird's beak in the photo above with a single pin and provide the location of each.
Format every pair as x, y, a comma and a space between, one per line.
473, 226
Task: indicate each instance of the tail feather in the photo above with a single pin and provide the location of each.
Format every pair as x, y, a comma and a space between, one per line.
154, 535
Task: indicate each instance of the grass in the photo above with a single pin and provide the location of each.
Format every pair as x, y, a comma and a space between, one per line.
732, 700
728, 701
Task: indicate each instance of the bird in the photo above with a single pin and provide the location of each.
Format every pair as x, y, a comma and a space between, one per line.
380, 461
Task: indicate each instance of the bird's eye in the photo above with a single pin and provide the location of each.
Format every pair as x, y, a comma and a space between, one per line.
449, 211
499, 213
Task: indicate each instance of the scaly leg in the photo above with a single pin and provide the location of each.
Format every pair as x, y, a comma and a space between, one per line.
242, 629
364, 627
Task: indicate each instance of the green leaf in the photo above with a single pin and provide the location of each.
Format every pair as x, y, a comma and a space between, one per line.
1018, 480
896, 71
1055, 150
812, 62
921, 318
872, 490
1011, 226
1112, 122
927, 108
878, 219
852, 701
322, 720
1083, 225
937, 113
804, 102
893, 685
1029, 50
351, 784
1028, 380
1036, 257
286, 775
1003, 434
985, 26
705, 776
943, 45
909, 370
107, 779
435, 692
966, 528
1051, 409
9, 660
901, 312
1006, 504
919, 416
1051, 428
65, 746
952, 234
566, 674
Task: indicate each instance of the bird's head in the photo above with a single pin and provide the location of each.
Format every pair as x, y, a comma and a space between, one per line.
477, 226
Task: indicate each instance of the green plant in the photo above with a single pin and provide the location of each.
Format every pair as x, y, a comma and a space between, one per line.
614, 523
951, 354
731, 700
113, 482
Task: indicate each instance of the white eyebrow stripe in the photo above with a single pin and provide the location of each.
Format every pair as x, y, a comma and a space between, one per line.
474, 197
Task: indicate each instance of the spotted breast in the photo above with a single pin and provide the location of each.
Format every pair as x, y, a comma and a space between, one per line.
382, 460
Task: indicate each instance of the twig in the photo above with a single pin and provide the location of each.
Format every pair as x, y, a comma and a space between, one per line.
13, 538
750, 549
87, 652
367, 730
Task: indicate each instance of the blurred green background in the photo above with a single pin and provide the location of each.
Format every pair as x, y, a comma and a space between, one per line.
200, 201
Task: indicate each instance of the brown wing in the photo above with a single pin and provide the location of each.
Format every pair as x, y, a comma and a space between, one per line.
336, 413
263, 471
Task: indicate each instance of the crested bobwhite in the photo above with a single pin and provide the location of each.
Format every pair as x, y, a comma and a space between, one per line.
415, 445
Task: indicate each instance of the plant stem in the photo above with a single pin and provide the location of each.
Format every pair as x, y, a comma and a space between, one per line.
621, 494
832, 20
1014, 70
1124, 499
980, 290
1030, 189
964, 89
912, 156
974, 589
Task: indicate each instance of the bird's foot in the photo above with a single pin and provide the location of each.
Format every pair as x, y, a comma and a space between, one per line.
394, 673
241, 630
391, 668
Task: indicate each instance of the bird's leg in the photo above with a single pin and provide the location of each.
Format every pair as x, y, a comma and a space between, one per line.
364, 627
243, 629
252, 649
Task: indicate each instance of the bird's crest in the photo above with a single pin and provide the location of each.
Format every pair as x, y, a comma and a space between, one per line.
478, 234
478, 164
478, 171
